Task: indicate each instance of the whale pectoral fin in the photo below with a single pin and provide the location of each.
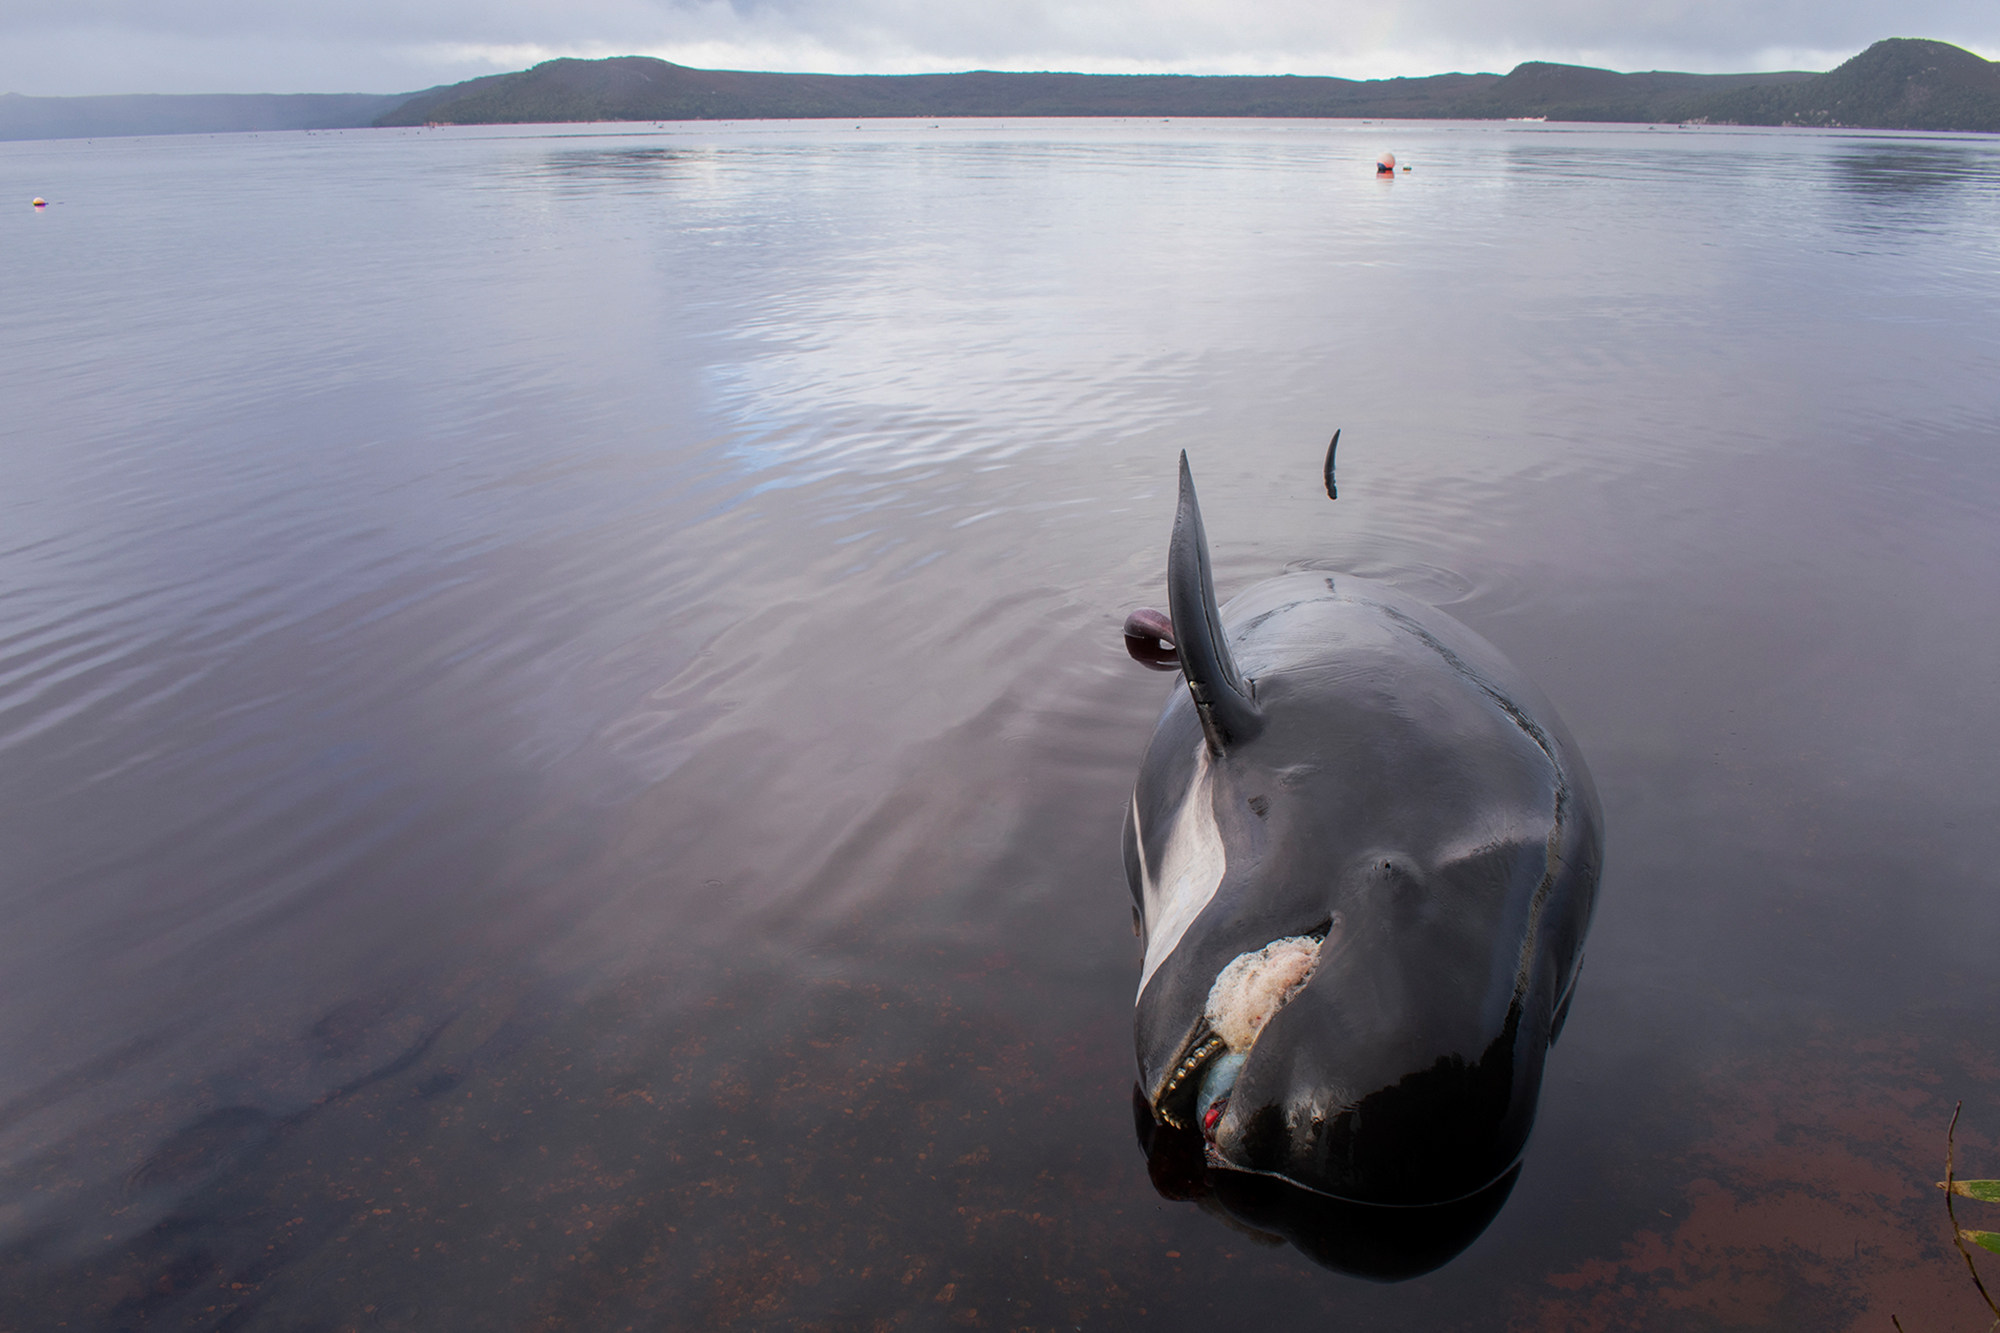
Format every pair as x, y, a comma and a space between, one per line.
1221, 696
1149, 639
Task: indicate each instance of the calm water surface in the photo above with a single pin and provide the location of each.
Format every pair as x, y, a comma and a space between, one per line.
563, 725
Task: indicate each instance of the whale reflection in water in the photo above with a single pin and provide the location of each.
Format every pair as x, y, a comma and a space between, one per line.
1363, 854
1359, 1239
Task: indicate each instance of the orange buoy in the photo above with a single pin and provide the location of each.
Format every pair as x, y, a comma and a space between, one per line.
1385, 165
41, 202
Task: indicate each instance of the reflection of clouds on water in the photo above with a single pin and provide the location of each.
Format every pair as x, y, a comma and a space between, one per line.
841, 312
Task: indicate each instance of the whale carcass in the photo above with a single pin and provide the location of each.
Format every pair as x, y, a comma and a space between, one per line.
1363, 853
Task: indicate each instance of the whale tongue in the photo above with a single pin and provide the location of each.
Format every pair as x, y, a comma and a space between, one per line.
1217, 1082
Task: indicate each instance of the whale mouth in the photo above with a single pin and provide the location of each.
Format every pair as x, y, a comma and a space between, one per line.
1248, 992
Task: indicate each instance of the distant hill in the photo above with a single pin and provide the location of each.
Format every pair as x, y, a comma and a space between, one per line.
1903, 83
1577, 92
196, 113
1900, 83
642, 88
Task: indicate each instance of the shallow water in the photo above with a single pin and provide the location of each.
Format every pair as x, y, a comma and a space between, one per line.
563, 724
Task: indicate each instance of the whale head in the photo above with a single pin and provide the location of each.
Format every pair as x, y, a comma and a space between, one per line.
1363, 856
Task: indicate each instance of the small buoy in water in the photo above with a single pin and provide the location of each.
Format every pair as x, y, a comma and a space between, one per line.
1406, 168
41, 202
1385, 165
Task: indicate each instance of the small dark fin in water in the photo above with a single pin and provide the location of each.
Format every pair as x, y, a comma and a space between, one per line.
1331, 493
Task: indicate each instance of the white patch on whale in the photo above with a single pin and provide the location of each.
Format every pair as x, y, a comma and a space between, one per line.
1256, 985
1191, 868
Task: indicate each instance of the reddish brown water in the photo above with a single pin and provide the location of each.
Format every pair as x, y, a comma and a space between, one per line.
564, 723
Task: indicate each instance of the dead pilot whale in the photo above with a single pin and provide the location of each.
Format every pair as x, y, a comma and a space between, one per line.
1363, 854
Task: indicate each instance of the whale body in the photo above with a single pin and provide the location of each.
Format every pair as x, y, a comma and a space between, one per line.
1363, 854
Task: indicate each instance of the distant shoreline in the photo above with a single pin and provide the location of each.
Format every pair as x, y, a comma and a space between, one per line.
1898, 83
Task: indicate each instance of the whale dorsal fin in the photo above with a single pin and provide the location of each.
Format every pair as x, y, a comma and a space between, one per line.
1332, 492
1221, 696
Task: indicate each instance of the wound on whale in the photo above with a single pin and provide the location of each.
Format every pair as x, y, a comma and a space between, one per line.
1363, 853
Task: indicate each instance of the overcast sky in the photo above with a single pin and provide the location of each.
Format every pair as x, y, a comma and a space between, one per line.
72, 47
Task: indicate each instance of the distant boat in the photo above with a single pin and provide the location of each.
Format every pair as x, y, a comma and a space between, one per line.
1526, 120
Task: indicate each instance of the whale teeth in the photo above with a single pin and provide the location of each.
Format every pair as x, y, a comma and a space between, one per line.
1195, 1059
